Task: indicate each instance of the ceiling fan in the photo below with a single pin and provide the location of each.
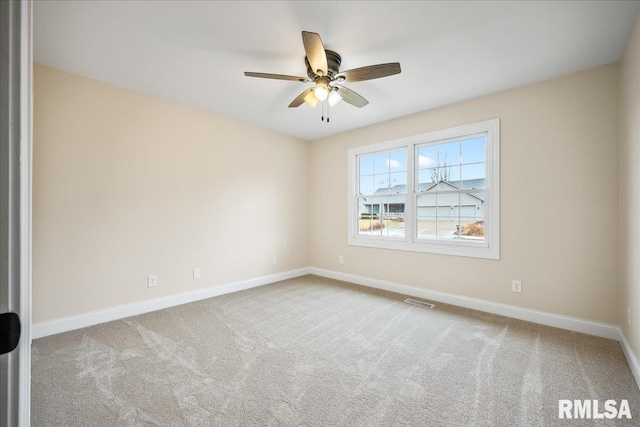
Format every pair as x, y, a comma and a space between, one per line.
323, 68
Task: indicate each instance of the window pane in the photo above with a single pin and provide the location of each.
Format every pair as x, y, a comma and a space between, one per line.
369, 217
450, 174
447, 229
474, 150
445, 205
381, 183
426, 216
366, 184
474, 176
447, 216
449, 154
366, 165
398, 182
380, 163
398, 161
379, 173
428, 157
426, 227
426, 178
395, 161
394, 220
472, 228
475, 200
381, 216
438, 215
426, 205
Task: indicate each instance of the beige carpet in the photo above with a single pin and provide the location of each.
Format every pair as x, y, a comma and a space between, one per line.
317, 352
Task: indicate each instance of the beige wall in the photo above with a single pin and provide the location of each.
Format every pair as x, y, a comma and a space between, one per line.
630, 189
559, 147
127, 185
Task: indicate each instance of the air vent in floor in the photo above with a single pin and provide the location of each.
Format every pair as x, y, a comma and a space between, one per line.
418, 303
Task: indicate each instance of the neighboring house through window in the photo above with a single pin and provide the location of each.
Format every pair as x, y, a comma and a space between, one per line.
436, 192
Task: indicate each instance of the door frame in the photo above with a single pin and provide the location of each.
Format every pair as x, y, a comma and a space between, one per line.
26, 193
17, 99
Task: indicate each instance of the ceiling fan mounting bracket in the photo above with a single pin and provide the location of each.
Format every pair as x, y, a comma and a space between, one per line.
333, 64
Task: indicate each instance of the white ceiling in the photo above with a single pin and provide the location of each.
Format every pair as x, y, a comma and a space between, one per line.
195, 53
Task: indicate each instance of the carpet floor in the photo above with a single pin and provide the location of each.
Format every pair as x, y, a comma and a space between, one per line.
312, 351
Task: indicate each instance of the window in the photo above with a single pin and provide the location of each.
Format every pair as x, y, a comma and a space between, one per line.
382, 194
437, 192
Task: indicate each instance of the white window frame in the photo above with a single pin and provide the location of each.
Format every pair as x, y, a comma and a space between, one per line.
489, 249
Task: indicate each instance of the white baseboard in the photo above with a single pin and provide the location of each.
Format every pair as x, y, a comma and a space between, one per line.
43, 329
603, 330
634, 364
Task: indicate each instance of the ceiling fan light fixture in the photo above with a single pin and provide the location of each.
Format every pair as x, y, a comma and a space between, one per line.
311, 99
323, 69
321, 92
334, 97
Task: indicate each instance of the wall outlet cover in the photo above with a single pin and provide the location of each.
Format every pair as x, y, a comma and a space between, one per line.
516, 286
152, 280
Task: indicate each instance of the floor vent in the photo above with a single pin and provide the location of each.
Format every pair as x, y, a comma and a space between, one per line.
419, 303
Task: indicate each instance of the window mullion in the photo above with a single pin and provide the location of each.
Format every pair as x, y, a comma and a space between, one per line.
409, 214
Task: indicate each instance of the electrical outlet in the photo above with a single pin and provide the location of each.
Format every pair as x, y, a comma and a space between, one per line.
629, 316
340, 260
196, 273
152, 280
274, 261
516, 286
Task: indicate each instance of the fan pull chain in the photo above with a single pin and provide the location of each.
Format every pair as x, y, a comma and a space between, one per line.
322, 106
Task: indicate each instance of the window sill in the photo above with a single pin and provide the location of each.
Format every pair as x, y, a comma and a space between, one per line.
441, 248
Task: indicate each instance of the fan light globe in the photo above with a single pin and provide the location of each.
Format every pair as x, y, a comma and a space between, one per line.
334, 98
321, 92
311, 99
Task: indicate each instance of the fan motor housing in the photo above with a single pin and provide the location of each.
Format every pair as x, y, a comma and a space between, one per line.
333, 65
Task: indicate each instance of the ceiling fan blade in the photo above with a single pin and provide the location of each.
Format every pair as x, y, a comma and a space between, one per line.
277, 77
370, 72
315, 52
351, 97
300, 98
